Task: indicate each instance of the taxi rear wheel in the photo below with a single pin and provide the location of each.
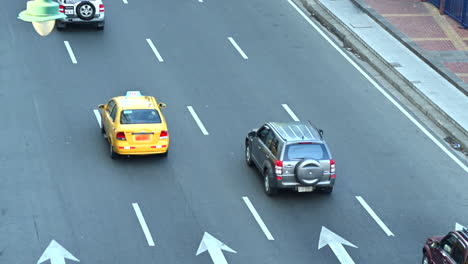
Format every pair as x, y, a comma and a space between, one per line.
113, 154
165, 153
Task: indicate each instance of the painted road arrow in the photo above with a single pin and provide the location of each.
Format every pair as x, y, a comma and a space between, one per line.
214, 247
56, 253
336, 243
458, 227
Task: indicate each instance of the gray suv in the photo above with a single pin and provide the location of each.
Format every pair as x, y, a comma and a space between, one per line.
291, 155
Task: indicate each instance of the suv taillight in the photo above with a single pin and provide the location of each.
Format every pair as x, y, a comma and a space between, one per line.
61, 9
120, 136
163, 134
278, 169
332, 168
101, 8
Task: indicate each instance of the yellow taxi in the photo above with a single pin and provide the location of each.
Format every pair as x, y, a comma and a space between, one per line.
134, 125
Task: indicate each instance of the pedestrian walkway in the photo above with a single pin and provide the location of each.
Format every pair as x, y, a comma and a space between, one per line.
439, 38
429, 82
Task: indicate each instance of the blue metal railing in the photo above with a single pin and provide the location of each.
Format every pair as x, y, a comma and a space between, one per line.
456, 9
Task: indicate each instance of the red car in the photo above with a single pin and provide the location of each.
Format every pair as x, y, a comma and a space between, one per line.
449, 249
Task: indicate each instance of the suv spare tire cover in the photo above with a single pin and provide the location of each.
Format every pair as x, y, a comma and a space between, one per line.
85, 6
308, 171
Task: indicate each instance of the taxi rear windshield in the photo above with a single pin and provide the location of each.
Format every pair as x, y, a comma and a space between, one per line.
140, 116
308, 150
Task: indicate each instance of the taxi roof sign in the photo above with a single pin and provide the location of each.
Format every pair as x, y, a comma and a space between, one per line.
133, 94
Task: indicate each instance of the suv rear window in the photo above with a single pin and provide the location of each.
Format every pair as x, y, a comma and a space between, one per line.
300, 151
140, 116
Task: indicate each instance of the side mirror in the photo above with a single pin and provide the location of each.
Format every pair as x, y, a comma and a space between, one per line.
434, 244
101, 106
321, 132
162, 105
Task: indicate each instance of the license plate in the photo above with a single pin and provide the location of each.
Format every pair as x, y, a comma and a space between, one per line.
142, 137
69, 12
305, 189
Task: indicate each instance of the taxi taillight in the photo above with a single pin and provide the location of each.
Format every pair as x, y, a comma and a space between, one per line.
120, 136
163, 134
61, 9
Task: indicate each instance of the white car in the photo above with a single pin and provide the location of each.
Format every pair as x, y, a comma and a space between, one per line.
81, 12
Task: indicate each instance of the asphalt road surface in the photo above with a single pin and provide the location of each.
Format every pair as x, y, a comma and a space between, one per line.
238, 64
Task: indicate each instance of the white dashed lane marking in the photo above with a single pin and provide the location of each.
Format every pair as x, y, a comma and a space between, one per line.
142, 221
258, 218
70, 52
156, 52
98, 117
234, 43
290, 112
374, 216
199, 122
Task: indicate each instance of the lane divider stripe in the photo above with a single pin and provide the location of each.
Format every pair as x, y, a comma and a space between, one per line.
375, 216
199, 122
233, 42
156, 52
142, 221
70, 52
258, 218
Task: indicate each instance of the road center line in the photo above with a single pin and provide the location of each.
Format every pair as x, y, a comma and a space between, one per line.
381, 90
98, 117
142, 221
258, 218
233, 42
156, 52
70, 52
199, 122
290, 112
375, 216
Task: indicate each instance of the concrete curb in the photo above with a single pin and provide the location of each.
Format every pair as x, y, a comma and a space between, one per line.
396, 33
387, 71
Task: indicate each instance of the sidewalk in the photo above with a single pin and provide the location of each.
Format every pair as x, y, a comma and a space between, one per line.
437, 38
393, 45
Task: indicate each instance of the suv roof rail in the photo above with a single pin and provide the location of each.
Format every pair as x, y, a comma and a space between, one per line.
464, 231
315, 127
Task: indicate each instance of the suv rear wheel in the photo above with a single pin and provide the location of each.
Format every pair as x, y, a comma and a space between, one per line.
267, 183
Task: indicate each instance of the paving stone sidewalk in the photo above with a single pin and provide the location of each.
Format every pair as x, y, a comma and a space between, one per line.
437, 39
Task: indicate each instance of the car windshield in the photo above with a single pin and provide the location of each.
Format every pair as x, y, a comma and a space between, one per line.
140, 116
310, 150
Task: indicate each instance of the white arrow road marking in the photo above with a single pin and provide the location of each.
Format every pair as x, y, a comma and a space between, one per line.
381, 90
56, 254
336, 243
156, 52
458, 227
290, 112
258, 218
214, 247
233, 42
125, 1
199, 122
375, 216
142, 221
70, 52
98, 117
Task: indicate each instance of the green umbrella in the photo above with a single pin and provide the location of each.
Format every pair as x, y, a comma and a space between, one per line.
42, 14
